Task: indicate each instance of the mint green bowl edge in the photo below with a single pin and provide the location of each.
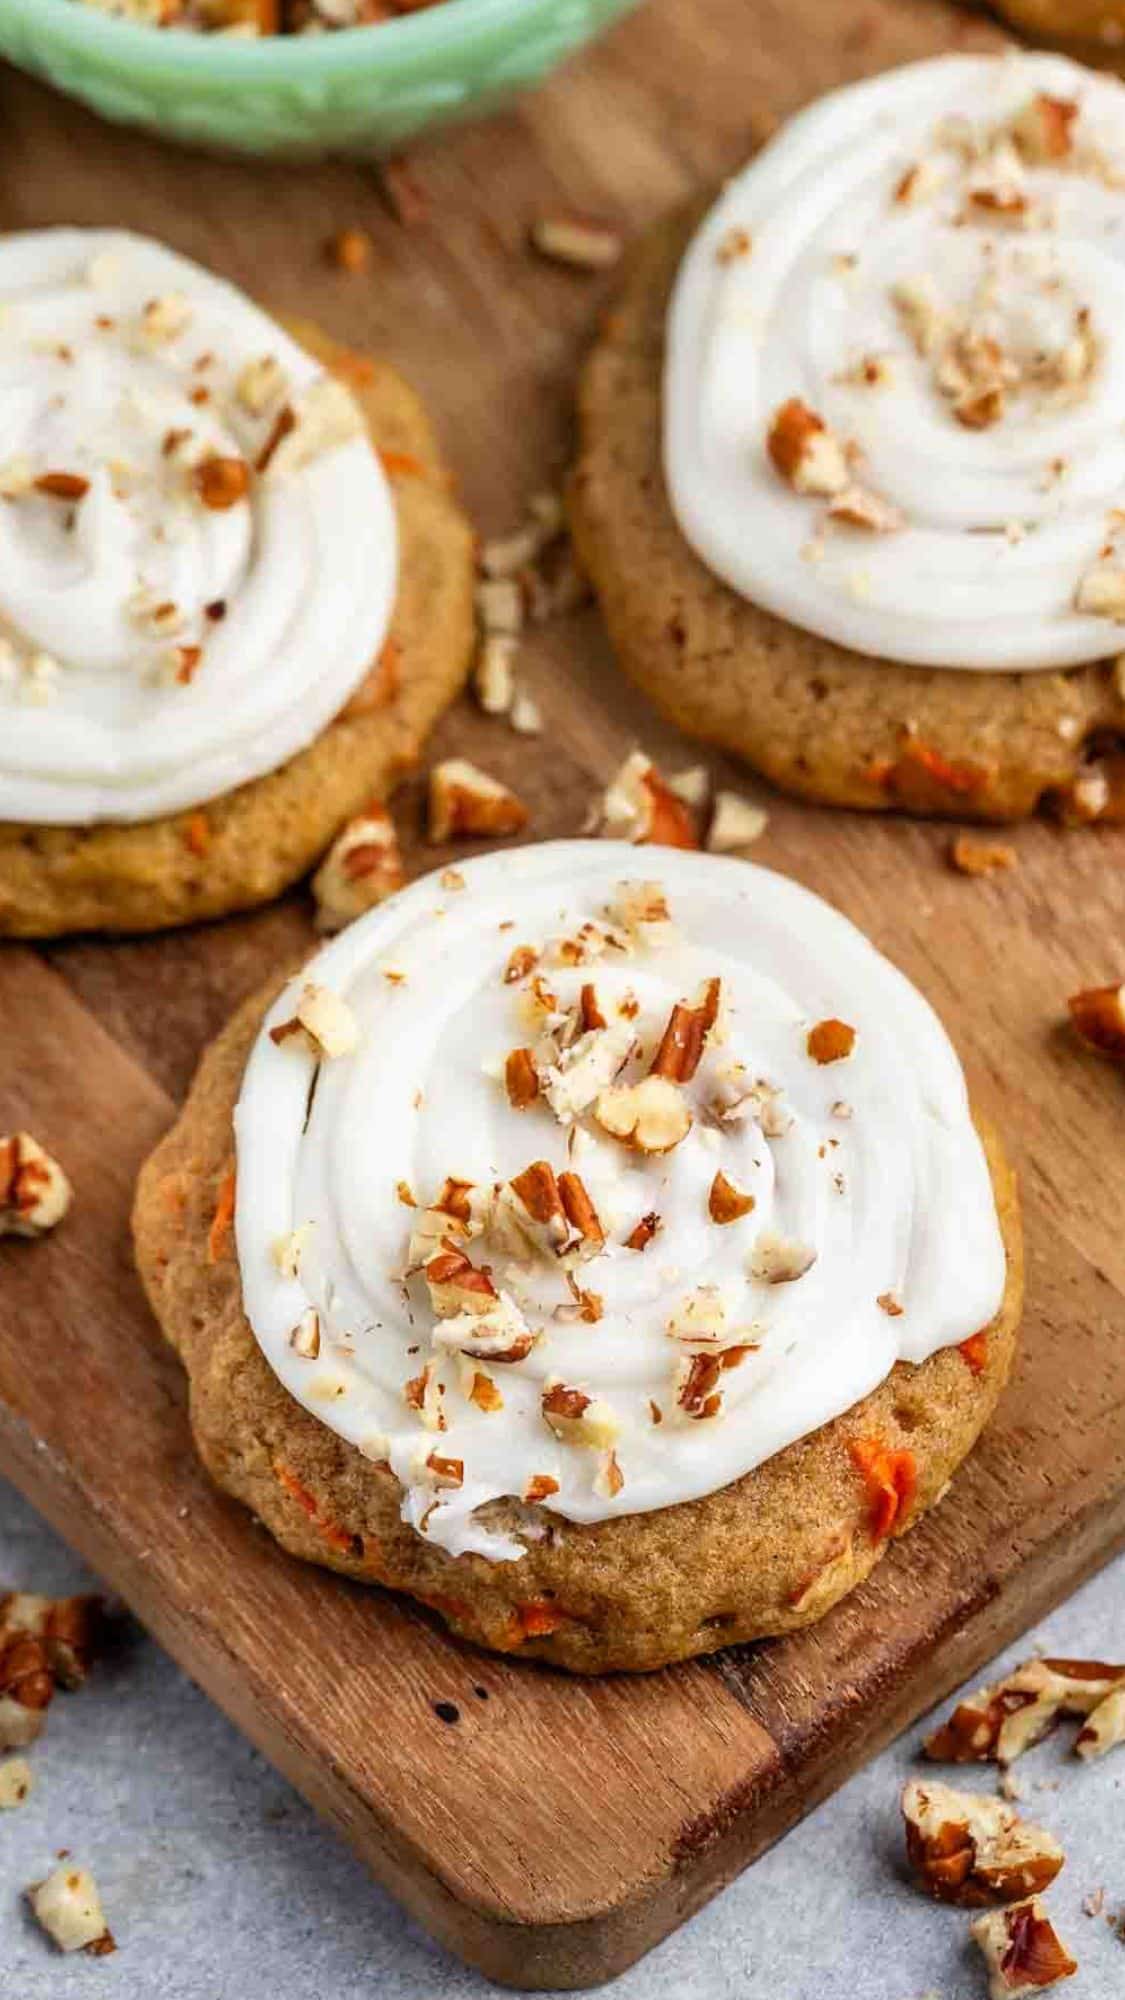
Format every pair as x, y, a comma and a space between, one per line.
361, 90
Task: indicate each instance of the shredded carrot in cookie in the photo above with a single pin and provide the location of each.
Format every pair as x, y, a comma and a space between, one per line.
952, 777
337, 1538
974, 1352
536, 1618
197, 833
219, 1233
891, 1480
402, 465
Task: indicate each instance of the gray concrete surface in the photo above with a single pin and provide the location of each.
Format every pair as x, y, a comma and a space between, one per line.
221, 1885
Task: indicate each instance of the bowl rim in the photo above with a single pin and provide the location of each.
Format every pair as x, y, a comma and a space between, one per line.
446, 25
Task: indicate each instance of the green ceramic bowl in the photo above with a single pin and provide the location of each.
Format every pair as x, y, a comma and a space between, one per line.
361, 90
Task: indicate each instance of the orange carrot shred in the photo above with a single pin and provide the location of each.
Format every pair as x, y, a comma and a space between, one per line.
219, 1232
891, 1480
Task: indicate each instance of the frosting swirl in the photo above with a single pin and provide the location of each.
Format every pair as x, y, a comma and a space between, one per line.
687, 1181
197, 542
930, 267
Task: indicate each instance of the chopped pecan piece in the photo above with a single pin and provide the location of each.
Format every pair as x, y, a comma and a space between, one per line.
539, 1487
610, 1479
34, 1191
465, 800
1101, 591
649, 1117
62, 485
639, 805
326, 415
698, 1396
584, 1072
26, 1687
685, 1037
578, 1419
807, 455
323, 1023
577, 240
445, 1471
500, 1335
641, 908
68, 1628
521, 1079
68, 1907
1022, 1950
521, 961
361, 868
999, 1722
1105, 1726
727, 1202
305, 1337
1044, 129
981, 857
735, 824
856, 507
1098, 1015
16, 1781
779, 1260
456, 1285
349, 250
642, 1232
974, 1849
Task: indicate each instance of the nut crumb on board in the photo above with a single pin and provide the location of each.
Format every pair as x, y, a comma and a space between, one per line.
981, 857
34, 1191
581, 242
463, 799
349, 250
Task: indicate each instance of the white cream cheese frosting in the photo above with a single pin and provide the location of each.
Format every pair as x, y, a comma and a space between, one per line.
198, 546
932, 266
659, 1323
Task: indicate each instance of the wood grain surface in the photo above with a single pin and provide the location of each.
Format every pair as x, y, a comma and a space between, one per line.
555, 1829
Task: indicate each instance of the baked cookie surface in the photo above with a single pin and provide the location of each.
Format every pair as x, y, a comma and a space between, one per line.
245, 846
760, 1555
822, 721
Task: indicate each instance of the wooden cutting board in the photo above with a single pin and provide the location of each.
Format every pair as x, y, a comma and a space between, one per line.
550, 1830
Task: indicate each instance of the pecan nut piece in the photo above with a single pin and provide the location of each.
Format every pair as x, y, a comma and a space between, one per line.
974, 1850
1022, 1950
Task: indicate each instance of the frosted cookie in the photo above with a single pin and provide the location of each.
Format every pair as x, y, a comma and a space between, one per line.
671, 1281
234, 589
852, 473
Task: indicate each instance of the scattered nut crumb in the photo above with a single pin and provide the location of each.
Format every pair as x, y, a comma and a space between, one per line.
579, 241
981, 857
1022, 1950
34, 1191
466, 800
349, 250
68, 1907
971, 1849
16, 1781
735, 824
1098, 1014
361, 868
